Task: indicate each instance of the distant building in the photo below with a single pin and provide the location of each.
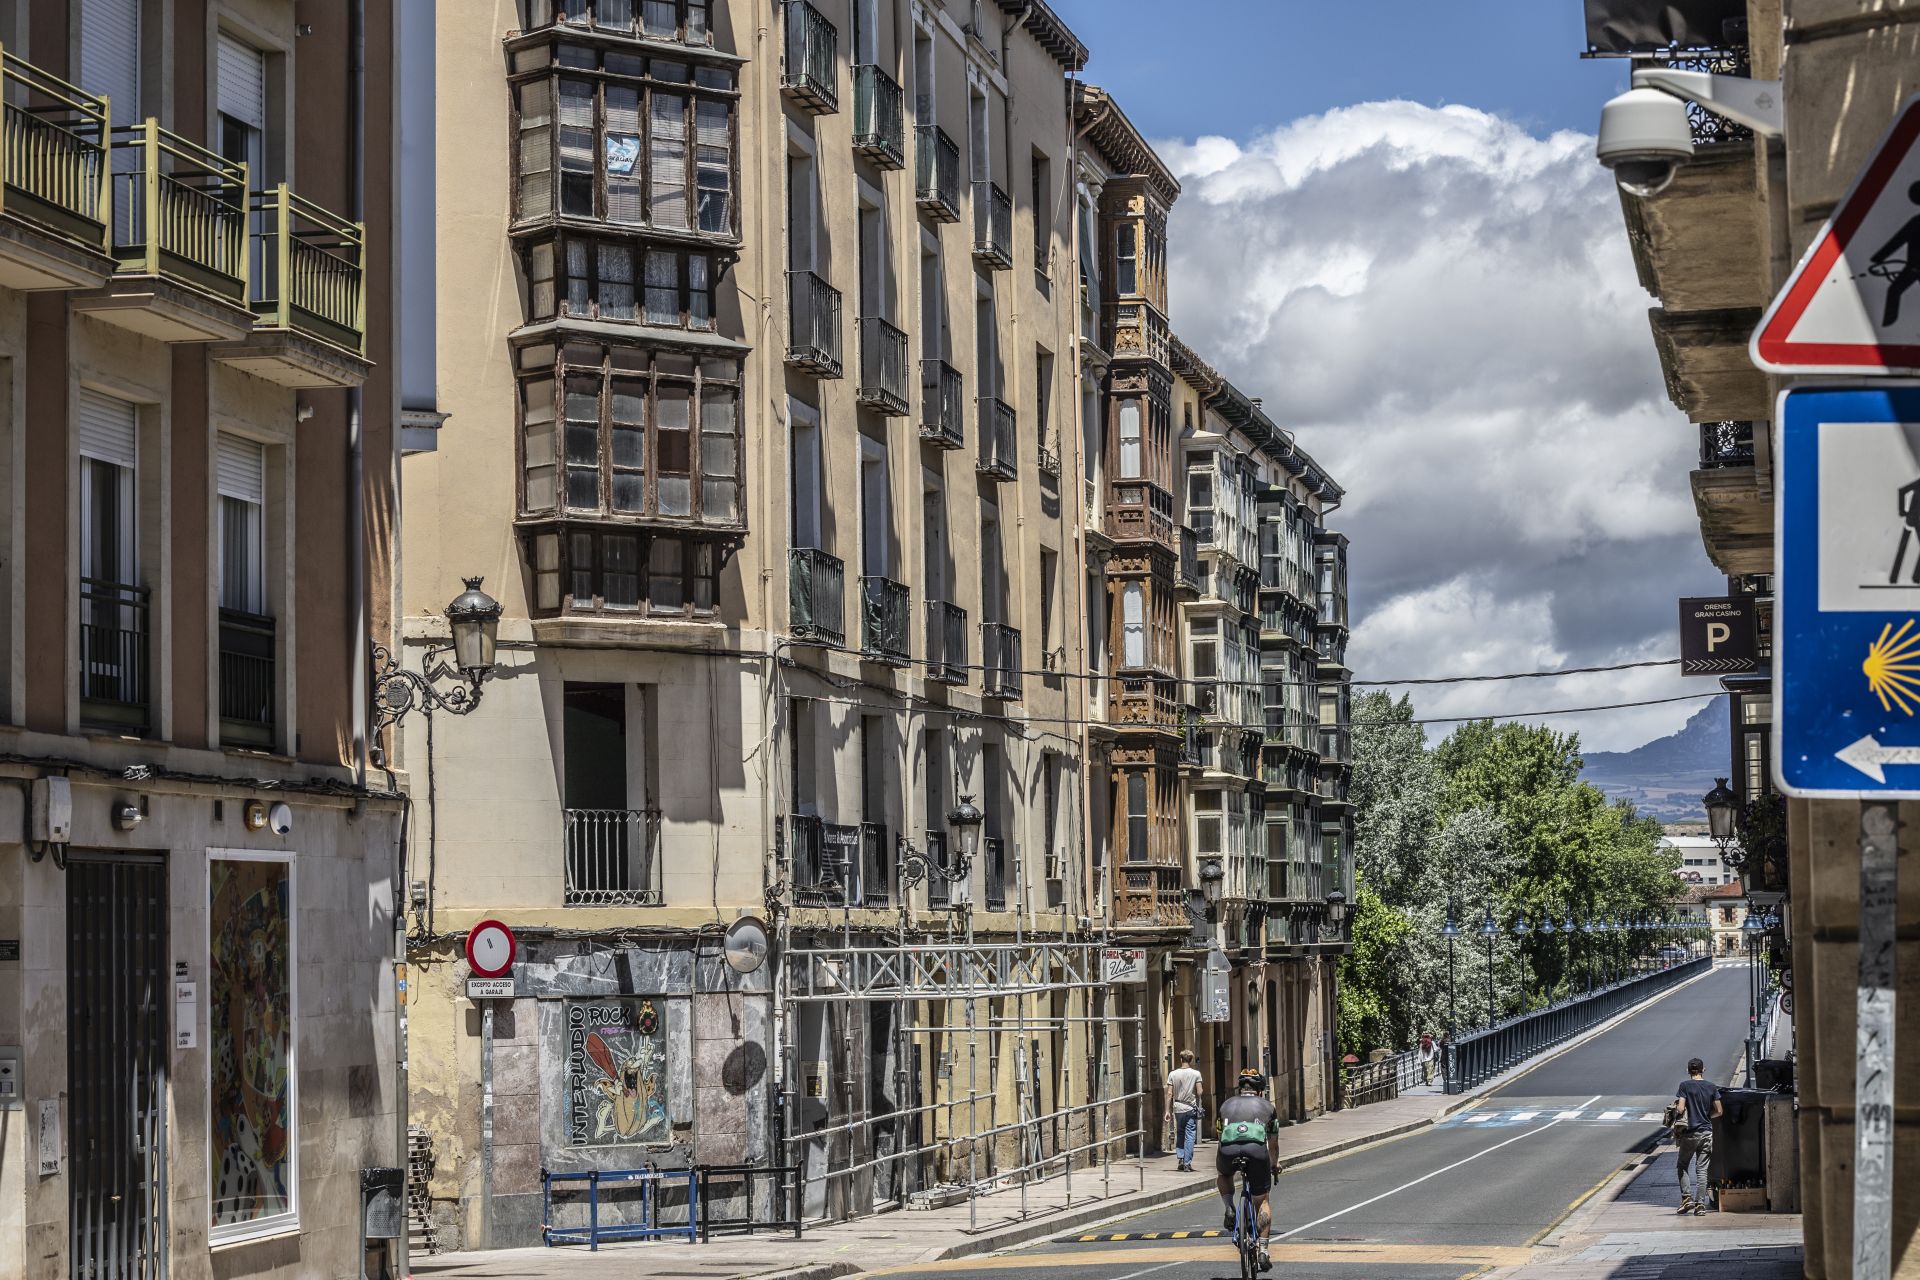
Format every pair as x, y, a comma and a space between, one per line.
1700, 860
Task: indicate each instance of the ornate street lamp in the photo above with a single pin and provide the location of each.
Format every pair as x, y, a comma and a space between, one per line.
1450, 930
1752, 929
963, 824
1520, 930
1489, 930
474, 618
1212, 879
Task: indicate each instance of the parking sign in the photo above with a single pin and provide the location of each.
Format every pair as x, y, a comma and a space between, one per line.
1847, 627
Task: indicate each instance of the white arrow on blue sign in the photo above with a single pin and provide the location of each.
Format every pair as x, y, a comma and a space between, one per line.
1847, 603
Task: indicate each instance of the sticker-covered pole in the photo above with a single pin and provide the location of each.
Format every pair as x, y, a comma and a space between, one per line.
1873, 1059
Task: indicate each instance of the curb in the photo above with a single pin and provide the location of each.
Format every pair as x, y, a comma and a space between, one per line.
817, 1271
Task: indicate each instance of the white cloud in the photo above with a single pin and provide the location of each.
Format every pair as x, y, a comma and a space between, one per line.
1443, 307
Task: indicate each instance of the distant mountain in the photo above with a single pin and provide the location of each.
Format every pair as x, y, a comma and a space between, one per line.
1666, 778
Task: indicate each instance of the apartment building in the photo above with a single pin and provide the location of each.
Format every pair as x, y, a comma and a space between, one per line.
1263, 625
196, 346
1713, 248
754, 355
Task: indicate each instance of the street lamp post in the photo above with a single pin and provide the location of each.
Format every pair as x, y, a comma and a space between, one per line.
1520, 930
1751, 928
1487, 930
473, 616
1547, 931
1588, 927
1451, 930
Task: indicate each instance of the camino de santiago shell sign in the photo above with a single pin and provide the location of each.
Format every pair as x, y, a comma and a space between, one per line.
616, 1074
1643, 26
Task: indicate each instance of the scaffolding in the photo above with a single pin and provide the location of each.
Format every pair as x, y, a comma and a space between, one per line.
951, 1124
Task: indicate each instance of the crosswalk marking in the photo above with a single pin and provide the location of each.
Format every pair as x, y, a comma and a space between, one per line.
1478, 1117
1524, 1115
1498, 1118
1117, 1236
1568, 1115
1611, 1115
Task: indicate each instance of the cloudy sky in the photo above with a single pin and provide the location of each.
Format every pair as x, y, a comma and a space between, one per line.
1392, 228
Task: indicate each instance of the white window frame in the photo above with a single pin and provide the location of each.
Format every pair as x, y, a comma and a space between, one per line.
288, 1223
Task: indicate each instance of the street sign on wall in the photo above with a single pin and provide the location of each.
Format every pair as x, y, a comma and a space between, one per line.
1850, 306
1847, 611
1216, 997
490, 949
1717, 637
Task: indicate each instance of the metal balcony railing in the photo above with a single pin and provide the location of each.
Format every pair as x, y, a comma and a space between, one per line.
612, 857
817, 587
876, 861
883, 366
946, 642
309, 270
1048, 461
879, 117
114, 633
813, 317
820, 872
993, 851
942, 406
936, 173
1000, 660
1725, 444
53, 137
999, 457
180, 211
1148, 895
992, 225
886, 624
939, 888
247, 692
810, 72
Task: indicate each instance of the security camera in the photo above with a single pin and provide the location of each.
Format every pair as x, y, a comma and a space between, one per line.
1645, 134
280, 818
1644, 138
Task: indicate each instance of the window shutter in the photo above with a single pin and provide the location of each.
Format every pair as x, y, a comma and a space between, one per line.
107, 428
242, 74
110, 54
240, 469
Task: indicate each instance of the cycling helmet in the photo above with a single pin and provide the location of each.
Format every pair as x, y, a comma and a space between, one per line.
1252, 1081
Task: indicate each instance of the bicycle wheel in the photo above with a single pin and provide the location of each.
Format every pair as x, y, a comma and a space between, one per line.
1248, 1236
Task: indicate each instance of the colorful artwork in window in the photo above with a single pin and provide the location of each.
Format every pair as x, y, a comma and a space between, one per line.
250, 1049
616, 1074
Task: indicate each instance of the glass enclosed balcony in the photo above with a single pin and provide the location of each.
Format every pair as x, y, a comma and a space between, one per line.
879, 129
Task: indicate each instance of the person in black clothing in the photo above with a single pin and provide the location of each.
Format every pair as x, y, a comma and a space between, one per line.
1695, 1106
1250, 1132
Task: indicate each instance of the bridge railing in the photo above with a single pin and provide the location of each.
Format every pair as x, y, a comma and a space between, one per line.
1480, 1055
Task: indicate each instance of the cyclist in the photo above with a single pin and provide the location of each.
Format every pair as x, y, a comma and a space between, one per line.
1249, 1132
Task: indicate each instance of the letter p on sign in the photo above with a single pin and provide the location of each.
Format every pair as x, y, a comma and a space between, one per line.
1718, 633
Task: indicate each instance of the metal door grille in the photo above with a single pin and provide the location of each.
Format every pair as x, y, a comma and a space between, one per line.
116, 1066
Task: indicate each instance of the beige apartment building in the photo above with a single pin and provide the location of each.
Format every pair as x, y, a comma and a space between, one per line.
197, 435
1713, 248
755, 350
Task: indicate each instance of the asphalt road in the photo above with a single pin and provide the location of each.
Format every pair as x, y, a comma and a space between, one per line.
1446, 1201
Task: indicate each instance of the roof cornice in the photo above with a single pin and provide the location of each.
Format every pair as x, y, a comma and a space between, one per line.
1053, 34
1109, 130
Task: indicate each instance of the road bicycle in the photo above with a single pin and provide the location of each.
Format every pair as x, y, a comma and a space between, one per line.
1246, 1221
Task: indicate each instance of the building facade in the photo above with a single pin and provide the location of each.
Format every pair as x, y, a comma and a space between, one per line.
1713, 248
197, 431
803, 388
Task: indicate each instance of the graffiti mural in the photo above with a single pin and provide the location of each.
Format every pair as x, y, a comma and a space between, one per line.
249, 939
616, 1074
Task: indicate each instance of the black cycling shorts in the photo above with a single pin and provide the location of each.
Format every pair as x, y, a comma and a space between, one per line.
1259, 1168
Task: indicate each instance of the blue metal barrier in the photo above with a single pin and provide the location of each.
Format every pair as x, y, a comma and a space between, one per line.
650, 1181
1478, 1056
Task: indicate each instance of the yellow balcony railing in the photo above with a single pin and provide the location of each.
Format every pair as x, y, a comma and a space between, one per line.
53, 140
180, 211
309, 269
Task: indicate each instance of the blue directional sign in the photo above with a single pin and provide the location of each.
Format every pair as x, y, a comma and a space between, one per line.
1847, 603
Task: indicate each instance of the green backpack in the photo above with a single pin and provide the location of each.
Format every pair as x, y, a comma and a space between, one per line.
1242, 1131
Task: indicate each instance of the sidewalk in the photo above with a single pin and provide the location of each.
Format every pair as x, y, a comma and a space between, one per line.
911, 1236
1631, 1232
906, 1237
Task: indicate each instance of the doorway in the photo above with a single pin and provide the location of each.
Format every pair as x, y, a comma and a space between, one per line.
117, 983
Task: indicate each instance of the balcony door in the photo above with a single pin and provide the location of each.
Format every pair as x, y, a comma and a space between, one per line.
247, 641
933, 538
604, 809
241, 93
876, 511
113, 604
110, 66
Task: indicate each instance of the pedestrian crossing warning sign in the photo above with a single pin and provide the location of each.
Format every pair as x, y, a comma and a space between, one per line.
1853, 303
